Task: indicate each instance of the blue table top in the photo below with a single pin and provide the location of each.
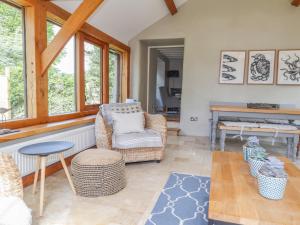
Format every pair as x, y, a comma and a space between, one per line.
46, 148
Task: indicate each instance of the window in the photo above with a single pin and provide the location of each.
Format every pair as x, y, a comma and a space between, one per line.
61, 77
12, 63
114, 76
92, 73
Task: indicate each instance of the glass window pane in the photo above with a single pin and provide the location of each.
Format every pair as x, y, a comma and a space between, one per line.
61, 77
12, 62
92, 73
114, 77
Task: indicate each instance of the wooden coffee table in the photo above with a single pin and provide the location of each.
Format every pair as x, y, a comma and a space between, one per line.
234, 197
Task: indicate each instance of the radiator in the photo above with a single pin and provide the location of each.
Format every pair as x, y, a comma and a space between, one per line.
82, 137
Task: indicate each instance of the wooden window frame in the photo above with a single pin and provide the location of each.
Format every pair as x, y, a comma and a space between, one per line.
36, 15
27, 95
120, 71
77, 109
82, 39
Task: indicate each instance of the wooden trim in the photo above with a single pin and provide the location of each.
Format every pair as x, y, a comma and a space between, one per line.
80, 71
171, 6
105, 75
69, 28
55, 12
46, 128
296, 3
25, 3
29, 179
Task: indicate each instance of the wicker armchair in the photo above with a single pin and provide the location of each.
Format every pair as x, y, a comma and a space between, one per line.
13, 209
155, 122
10, 178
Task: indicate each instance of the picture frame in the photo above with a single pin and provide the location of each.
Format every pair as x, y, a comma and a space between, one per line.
288, 70
261, 67
232, 67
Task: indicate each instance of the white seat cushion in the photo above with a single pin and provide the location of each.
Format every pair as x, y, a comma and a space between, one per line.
147, 139
13, 211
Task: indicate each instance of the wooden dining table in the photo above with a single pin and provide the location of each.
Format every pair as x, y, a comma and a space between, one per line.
221, 111
235, 199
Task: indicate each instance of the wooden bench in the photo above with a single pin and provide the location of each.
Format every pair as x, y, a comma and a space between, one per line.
291, 135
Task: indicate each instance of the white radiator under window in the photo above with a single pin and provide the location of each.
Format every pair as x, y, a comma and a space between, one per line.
82, 137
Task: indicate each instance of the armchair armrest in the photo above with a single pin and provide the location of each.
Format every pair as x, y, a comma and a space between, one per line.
103, 133
158, 123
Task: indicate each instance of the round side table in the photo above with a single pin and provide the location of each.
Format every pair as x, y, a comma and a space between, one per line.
41, 151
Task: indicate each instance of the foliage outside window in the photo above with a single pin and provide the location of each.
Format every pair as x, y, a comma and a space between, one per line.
12, 63
61, 77
92, 73
114, 76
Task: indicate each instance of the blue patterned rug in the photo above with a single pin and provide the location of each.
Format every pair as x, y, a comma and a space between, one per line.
183, 201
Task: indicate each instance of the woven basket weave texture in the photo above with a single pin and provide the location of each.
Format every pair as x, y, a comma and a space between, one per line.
98, 172
10, 178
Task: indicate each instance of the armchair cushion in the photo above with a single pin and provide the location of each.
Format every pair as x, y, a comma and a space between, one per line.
128, 122
107, 109
147, 139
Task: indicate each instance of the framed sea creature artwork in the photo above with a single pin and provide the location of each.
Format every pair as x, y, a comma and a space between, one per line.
288, 72
261, 67
232, 67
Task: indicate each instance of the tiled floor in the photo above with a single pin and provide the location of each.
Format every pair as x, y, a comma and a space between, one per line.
132, 205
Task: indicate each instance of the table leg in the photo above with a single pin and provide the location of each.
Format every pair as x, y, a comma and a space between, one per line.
214, 130
36, 174
222, 140
62, 159
290, 147
43, 170
295, 149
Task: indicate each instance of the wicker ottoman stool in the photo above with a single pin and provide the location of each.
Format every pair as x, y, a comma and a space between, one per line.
98, 172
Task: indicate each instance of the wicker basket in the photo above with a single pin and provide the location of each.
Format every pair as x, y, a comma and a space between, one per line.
271, 187
98, 172
10, 178
255, 165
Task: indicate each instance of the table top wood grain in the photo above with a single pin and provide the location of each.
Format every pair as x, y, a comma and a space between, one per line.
244, 109
234, 196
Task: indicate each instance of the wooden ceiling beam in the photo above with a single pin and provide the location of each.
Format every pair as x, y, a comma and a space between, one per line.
171, 6
296, 3
69, 28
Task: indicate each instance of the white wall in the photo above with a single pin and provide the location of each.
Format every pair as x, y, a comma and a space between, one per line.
209, 27
160, 80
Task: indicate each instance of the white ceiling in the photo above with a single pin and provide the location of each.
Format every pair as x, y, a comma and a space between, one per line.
123, 19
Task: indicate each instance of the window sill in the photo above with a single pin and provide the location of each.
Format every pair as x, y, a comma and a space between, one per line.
47, 127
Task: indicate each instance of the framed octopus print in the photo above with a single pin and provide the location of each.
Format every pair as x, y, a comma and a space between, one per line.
288, 72
261, 67
232, 67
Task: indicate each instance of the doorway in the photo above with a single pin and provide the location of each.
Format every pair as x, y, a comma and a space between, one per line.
164, 84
